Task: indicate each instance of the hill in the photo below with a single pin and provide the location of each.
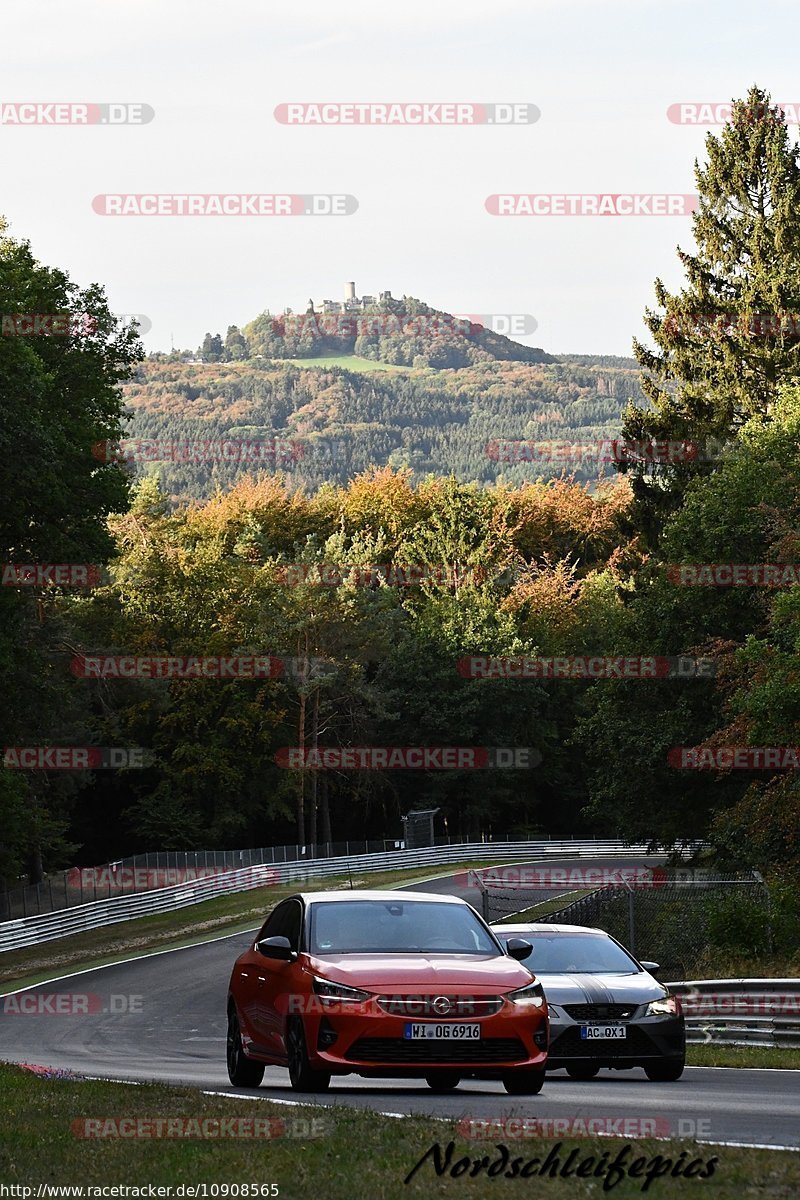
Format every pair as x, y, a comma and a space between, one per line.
402, 332
334, 422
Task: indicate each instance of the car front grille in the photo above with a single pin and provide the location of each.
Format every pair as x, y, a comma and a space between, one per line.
460, 1006
570, 1044
599, 1012
402, 1050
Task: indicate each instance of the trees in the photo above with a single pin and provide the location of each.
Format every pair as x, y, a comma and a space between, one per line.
236, 347
60, 383
748, 511
731, 336
212, 349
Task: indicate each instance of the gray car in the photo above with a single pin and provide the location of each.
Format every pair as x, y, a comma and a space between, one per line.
606, 1009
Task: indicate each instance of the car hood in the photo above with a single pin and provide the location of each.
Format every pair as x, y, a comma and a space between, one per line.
579, 988
423, 972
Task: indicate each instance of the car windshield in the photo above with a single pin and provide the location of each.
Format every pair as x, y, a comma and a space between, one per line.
397, 927
563, 953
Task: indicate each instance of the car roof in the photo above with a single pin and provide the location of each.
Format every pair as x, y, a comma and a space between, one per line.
546, 927
363, 894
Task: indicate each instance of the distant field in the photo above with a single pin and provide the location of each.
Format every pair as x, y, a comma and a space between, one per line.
350, 362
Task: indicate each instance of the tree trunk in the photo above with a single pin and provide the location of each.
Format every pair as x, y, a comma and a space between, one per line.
326, 812
312, 816
35, 867
301, 784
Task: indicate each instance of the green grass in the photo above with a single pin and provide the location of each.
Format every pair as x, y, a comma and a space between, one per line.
359, 1156
722, 964
537, 911
743, 1056
350, 362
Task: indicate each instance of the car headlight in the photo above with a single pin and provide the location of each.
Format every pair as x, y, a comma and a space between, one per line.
338, 992
531, 995
669, 1006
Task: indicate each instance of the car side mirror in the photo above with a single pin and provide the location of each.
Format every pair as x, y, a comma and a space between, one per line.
276, 947
518, 948
652, 967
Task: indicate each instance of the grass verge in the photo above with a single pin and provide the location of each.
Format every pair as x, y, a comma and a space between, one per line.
537, 911
357, 1155
743, 1056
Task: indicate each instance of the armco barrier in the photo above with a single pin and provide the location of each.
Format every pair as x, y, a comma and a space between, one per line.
741, 1012
29, 931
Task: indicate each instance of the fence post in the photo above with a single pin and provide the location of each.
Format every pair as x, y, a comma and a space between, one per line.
631, 921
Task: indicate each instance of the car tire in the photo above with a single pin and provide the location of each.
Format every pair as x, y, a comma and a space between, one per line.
242, 1071
665, 1072
443, 1081
303, 1077
523, 1083
582, 1071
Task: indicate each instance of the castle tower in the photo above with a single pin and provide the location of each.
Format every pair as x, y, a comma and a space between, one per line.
349, 292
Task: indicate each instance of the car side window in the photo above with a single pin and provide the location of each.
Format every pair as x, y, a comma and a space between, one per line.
275, 922
286, 921
294, 924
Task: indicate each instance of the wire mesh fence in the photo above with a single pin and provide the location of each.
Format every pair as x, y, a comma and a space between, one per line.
162, 868
672, 918
166, 868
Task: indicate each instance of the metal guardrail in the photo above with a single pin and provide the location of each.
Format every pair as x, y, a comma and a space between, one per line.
30, 931
741, 1012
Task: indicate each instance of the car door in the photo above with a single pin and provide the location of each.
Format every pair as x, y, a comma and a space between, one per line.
276, 980
252, 977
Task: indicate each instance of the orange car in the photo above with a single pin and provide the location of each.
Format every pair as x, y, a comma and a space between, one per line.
391, 984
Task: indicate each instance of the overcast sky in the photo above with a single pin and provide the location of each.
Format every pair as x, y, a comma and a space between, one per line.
602, 72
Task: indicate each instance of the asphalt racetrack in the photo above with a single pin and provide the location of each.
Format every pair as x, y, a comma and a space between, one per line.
162, 1017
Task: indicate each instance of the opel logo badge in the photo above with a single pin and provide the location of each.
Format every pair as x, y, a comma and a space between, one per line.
441, 1006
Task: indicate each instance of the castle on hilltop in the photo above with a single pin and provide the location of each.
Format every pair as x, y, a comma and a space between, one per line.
351, 302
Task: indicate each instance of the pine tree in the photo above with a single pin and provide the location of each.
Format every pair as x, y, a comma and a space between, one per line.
731, 336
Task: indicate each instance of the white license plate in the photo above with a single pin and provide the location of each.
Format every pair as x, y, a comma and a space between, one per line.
592, 1032
449, 1032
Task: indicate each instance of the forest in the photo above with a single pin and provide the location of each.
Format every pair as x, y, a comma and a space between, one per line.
339, 423
362, 582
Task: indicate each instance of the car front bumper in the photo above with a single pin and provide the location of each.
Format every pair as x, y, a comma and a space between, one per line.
647, 1040
374, 1044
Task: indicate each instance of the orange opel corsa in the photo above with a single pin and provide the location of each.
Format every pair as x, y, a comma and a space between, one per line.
385, 984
